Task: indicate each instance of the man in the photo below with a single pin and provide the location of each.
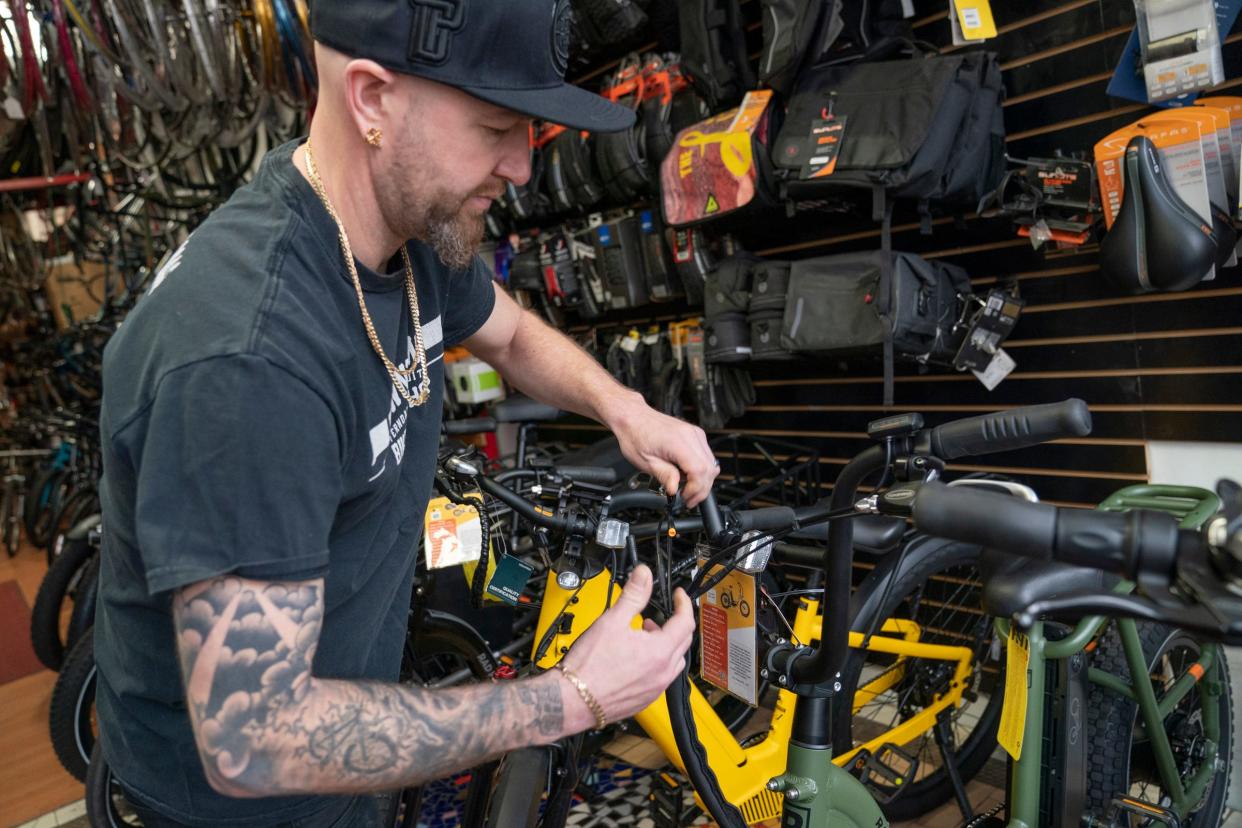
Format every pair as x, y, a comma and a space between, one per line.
270, 429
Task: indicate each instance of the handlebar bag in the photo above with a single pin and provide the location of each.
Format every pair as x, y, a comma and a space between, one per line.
850, 303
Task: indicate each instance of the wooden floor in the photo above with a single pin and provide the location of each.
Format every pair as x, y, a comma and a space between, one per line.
32, 782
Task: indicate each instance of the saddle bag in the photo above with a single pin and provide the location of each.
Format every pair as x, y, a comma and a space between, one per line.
887, 303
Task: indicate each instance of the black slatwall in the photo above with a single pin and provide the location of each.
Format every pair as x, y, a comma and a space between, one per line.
1153, 367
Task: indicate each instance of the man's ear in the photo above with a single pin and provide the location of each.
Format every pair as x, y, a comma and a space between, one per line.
368, 95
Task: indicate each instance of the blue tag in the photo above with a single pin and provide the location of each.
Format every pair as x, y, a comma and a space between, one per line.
648, 224
605, 235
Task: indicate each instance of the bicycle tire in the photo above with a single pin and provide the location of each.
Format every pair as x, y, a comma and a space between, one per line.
520, 782
106, 806
1113, 721
85, 595
45, 635
59, 489
72, 708
925, 559
35, 500
77, 500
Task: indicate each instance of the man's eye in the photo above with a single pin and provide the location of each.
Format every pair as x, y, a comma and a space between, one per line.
495, 132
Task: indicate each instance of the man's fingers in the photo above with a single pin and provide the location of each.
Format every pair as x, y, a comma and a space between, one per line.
636, 594
650, 626
681, 623
667, 474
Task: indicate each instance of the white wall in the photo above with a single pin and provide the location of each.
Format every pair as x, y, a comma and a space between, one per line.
1202, 464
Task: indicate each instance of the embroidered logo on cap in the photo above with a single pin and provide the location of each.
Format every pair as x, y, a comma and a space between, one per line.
435, 23
561, 24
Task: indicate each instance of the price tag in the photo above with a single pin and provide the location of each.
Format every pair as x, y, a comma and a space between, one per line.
1001, 366
972, 20
823, 147
728, 657
452, 534
1017, 681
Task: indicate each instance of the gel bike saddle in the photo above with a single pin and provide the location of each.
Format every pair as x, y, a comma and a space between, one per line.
1157, 242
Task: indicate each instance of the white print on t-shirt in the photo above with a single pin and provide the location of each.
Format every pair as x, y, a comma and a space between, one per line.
389, 433
173, 263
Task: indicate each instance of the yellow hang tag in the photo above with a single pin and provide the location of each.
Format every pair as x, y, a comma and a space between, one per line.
1017, 679
975, 18
452, 534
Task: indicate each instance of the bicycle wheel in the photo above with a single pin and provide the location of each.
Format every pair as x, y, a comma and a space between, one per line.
81, 501
59, 583
1119, 754
106, 806
72, 715
937, 588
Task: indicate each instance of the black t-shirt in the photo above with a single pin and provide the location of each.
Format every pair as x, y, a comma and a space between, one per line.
249, 427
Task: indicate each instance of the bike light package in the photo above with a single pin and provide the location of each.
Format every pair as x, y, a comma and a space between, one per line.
452, 535
1233, 105
1180, 46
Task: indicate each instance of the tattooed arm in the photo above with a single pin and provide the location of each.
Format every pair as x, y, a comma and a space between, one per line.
266, 726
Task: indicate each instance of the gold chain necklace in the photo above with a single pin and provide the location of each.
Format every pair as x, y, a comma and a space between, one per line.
420, 353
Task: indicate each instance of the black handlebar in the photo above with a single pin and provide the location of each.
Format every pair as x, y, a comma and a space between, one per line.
474, 425
1009, 430
1139, 545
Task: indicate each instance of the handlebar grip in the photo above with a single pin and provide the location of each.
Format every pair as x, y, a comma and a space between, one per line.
471, 426
599, 475
1009, 430
710, 513
770, 519
988, 519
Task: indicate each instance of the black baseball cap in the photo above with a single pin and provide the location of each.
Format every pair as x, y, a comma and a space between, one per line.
512, 53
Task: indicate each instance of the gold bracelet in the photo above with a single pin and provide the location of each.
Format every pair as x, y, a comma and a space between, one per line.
601, 721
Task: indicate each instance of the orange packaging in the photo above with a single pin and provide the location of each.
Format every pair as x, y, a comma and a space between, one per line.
1181, 146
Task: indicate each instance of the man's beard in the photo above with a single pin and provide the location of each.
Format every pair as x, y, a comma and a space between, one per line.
435, 217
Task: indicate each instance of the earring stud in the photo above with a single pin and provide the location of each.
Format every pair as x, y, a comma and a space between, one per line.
375, 137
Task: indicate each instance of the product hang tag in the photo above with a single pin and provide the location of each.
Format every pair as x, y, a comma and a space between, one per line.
509, 579
1001, 366
823, 146
13, 109
972, 20
452, 534
1017, 681
729, 653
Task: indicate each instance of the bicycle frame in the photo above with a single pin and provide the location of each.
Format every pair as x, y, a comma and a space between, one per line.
743, 772
1027, 776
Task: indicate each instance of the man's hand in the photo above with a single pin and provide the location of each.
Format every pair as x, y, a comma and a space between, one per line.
666, 448
626, 669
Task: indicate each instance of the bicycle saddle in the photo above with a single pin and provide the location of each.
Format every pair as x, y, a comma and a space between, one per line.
1012, 583
1157, 242
522, 409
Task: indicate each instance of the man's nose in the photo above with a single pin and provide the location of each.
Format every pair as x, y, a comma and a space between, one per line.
514, 163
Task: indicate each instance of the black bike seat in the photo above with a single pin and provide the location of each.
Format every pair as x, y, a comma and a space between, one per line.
522, 409
875, 534
605, 452
1012, 583
1157, 241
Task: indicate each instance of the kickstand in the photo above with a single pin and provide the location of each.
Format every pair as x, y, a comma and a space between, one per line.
944, 740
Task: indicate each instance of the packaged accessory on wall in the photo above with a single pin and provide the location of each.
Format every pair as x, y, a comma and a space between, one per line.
853, 303
713, 48
663, 279
721, 165
1180, 46
926, 128
619, 259
1156, 240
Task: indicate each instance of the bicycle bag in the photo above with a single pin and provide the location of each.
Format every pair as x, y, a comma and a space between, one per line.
925, 128
693, 259
795, 32
571, 179
898, 304
669, 105
713, 48
720, 165
621, 157
619, 259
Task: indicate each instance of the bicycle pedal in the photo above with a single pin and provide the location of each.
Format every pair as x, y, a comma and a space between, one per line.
887, 772
1122, 805
667, 803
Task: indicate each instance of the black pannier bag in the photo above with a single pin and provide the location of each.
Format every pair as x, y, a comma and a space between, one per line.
713, 50
896, 304
927, 128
